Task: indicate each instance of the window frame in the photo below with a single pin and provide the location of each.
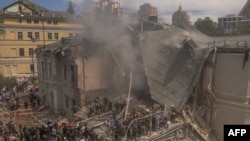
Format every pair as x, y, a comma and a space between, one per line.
29, 35
29, 21
36, 21
20, 35
37, 35
21, 52
56, 36
49, 36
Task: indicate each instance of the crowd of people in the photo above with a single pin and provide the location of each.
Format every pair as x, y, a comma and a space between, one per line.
48, 132
98, 105
139, 122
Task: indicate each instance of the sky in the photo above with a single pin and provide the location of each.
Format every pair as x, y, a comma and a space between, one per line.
195, 8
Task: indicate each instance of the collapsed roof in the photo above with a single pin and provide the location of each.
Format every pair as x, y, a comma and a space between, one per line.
172, 60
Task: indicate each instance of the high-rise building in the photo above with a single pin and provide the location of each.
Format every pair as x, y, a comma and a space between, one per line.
180, 17
229, 22
106, 12
27, 26
148, 12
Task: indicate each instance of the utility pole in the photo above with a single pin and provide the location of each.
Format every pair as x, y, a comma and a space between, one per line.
129, 92
33, 66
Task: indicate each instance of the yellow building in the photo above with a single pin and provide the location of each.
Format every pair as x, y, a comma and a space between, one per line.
28, 26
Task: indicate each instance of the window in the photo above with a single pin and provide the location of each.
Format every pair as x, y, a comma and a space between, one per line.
72, 73
36, 21
20, 35
30, 35
37, 36
42, 69
55, 22
19, 20
48, 21
31, 51
70, 34
65, 72
49, 36
32, 69
29, 21
51, 98
49, 69
66, 101
21, 51
73, 102
56, 36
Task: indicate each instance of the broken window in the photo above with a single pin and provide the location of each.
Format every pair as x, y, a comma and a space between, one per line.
49, 69
52, 98
66, 102
65, 72
72, 73
42, 69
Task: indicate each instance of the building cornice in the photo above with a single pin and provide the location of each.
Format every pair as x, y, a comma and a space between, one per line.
17, 60
40, 27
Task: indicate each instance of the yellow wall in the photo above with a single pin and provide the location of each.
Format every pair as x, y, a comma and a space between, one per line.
11, 63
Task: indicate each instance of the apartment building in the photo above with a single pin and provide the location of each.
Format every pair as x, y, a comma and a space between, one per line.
27, 26
148, 12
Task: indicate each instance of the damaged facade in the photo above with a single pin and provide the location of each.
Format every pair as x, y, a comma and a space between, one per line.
75, 70
223, 96
65, 77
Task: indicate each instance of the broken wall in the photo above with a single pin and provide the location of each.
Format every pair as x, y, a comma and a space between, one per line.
231, 87
224, 94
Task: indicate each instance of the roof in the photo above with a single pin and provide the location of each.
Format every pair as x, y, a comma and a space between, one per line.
244, 8
30, 5
39, 10
171, 65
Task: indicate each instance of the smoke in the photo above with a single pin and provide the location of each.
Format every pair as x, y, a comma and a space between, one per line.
118, 40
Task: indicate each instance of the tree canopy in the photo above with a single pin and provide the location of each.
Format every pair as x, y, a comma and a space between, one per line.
9, 81
243, 29
208, 27
70, 9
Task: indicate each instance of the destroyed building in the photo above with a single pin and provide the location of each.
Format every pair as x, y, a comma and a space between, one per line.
171, 67
73, 70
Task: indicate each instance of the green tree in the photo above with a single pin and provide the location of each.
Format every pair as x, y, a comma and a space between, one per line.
208, 27
70, 9
10, 81
243, 29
